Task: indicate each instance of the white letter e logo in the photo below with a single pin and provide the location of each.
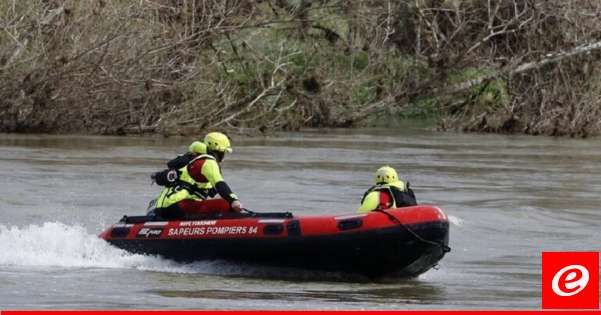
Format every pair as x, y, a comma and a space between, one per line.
570, 280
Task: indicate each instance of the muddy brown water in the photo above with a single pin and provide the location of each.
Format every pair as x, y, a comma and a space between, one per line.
508, 198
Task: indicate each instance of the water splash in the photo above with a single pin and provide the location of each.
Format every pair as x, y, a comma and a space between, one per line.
456, 221
54, 244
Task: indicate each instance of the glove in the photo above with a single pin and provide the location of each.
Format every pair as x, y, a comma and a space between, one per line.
236, 205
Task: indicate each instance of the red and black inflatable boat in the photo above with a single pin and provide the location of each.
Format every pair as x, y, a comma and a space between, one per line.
401, 242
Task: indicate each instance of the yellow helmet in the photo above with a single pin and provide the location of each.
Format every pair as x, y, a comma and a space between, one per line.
216, 141
386, 174
198, 147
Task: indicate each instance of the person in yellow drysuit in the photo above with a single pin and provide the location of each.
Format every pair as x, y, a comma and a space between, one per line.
388, 192
189, 187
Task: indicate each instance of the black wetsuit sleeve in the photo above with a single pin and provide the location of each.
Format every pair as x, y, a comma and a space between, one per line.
225, 192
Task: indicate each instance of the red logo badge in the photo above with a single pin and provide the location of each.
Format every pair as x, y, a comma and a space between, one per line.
570, 280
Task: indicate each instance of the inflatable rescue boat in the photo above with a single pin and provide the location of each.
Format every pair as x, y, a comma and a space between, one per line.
401, 242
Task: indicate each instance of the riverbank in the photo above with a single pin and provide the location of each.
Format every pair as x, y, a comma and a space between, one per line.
176, 68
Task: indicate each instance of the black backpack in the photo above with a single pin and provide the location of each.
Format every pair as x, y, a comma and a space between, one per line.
169, 177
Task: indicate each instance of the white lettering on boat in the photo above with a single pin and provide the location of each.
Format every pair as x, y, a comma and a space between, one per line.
213, 230
197, 223
186, 231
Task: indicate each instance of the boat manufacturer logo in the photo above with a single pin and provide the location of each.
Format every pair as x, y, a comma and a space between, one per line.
149, 232
570, 280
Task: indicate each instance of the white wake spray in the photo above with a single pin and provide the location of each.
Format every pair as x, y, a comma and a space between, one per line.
456, 221
55, 244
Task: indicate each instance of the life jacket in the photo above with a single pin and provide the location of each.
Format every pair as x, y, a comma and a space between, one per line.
180, 185
402, 195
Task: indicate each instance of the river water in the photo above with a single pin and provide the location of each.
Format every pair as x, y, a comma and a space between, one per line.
508, 199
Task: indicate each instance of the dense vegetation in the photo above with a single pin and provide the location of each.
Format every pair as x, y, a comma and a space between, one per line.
182, 66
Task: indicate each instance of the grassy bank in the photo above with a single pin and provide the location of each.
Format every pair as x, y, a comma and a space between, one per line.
180, 67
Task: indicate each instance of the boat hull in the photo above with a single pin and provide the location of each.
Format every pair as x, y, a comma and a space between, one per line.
373, 245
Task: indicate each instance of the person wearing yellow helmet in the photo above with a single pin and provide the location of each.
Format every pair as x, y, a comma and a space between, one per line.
197, 147
189, 187
388, 192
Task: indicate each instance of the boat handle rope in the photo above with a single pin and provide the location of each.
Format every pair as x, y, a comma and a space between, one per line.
283, 215
445, 248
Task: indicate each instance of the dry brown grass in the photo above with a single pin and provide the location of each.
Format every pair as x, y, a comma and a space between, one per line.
539, 59
182, 66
